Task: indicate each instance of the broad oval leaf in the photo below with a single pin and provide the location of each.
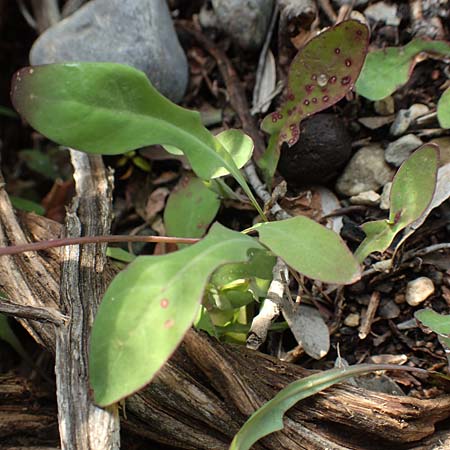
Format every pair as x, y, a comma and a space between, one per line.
388, 69
311, 249
190, 208
112, 108
148, 308
322, 72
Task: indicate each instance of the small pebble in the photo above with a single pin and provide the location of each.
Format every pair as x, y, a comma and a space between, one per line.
418, 290
369, 198
383, 13
352, 320
385, 203
406, 116
384, 107
418, 110
398, 152
389, 309
410, 324
366, 171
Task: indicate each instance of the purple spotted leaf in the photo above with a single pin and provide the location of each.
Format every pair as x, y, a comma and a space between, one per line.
322, 73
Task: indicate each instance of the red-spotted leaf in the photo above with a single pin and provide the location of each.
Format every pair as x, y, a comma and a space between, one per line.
323, 71
148, 308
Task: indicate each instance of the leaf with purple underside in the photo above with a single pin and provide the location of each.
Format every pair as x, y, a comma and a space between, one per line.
321, 74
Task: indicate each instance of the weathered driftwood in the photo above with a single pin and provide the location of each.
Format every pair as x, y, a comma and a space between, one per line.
204, 394
82, 424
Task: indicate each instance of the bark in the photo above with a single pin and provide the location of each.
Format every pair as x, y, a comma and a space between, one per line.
83, 425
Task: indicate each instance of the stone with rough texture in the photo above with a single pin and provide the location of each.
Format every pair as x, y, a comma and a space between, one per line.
418, 290
139, 33
399, 151
366, 171
245, 21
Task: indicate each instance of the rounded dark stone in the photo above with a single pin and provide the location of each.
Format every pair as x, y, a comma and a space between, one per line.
322, 150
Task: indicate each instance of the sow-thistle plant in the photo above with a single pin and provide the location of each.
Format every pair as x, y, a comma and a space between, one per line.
113, 109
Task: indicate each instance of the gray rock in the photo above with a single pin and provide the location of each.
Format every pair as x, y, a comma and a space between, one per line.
384, 13
366, 171
399, 151
245, 21
139, 33
418, 290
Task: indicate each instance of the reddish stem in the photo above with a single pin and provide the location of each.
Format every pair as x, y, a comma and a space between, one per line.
44, 245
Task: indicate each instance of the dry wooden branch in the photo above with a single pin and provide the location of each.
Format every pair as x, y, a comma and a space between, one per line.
83, 425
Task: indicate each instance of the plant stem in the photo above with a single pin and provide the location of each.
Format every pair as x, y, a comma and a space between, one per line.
44, 245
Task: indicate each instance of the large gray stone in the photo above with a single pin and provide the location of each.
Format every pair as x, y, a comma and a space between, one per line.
139, 33
366, 171
245, 21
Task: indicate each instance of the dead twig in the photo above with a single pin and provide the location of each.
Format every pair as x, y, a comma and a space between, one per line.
366, 325
32, 312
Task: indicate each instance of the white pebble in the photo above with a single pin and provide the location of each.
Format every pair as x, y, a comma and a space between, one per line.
418, 290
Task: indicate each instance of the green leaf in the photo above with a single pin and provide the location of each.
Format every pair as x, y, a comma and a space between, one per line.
439, 323
112, 108
260, 265
238, 145
388, 69
190, 209
322, 72
311, 249
27, 205
443, 109
411, 193
379, 236
148, 308
269, 418
235, 142
413, 186
120, 254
